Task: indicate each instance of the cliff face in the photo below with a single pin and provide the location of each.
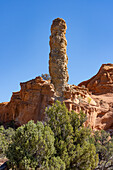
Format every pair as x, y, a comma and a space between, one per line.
35, 95
29, 103
94, 96
101, 87
102, 82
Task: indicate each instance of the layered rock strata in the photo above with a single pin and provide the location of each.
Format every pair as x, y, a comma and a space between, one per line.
29, 103
94, 96
58, 58
102, 82
101, 86
35, 95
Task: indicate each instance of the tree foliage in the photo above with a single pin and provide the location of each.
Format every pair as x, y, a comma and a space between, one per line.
32, 147
72, 139
5, 138
104, 147
61, 142
46, 76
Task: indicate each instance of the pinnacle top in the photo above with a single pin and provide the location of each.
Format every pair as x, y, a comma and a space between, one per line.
58, 23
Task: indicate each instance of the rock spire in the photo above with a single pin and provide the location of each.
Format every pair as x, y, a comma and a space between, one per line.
58, 58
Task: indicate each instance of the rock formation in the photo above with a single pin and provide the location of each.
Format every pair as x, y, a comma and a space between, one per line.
94, 97
35, 95
29, 103
58, 58
102, 82
101, 86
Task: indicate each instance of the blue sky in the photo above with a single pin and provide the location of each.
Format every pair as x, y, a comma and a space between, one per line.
24, 39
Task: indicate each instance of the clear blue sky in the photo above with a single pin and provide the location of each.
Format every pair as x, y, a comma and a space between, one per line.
24, 39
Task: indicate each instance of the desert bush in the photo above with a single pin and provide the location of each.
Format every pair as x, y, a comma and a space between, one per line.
89, 100
32, 146
72, 139
55, 163
61, 142
104, 148
46, 76
5, 138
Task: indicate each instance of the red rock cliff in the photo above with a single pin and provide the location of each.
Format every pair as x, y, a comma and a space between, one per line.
102, 82
37, 94
94, 97
29, 103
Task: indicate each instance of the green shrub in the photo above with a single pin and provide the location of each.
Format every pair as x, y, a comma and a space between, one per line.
104, 148
55, 163
32, 146
46, 76
5, 138
69, 145
72, 139
89, 100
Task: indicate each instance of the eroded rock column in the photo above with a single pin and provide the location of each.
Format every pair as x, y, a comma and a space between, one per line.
58, 58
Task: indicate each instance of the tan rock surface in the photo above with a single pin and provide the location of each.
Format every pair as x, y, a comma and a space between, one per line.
58, 58
29, 103
35, 95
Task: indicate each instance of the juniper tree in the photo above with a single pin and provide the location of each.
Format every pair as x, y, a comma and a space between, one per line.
32, 147
72, 139
104, 148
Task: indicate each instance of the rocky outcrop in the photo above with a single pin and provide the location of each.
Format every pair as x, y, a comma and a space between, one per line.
35, 95
101, 86
102, 82
29, 103
58, 58
94, 96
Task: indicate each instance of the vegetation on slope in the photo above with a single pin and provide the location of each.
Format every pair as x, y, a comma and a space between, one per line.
60, 142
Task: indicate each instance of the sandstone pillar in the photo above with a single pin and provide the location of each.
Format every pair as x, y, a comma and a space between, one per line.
58, 58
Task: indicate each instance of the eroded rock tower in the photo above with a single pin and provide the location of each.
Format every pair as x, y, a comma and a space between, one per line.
58, 58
